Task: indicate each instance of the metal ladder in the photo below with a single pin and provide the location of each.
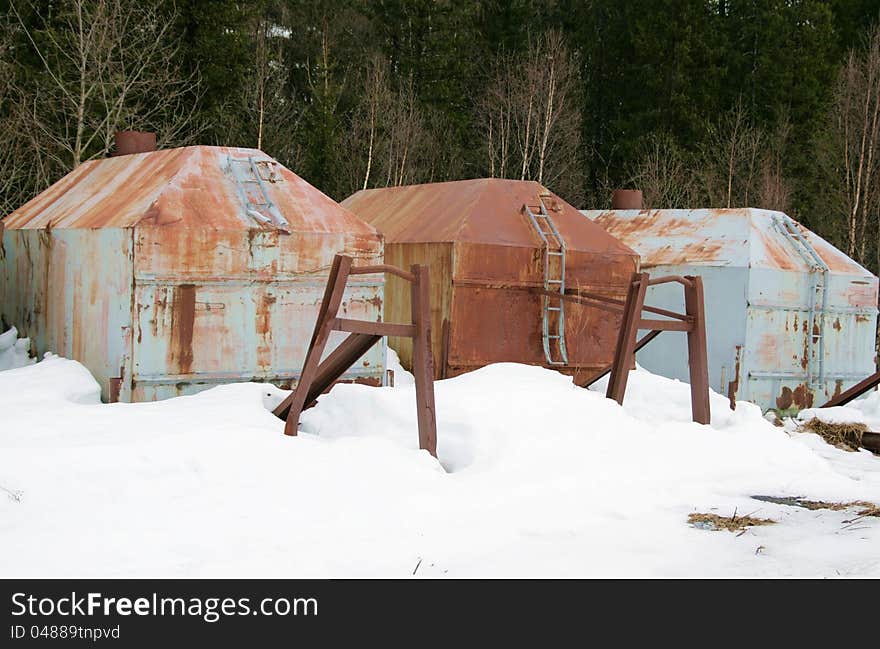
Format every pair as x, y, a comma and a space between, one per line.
258, 205
818, 297
552, 313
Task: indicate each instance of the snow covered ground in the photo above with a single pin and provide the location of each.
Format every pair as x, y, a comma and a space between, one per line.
536, 478
14, 350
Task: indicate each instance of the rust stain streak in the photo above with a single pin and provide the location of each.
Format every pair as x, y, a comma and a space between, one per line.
183, 313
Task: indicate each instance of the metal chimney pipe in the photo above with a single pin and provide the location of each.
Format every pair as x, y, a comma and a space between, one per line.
128, 142
626, 199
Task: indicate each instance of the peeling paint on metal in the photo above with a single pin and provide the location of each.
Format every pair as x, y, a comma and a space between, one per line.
147, 266
799, 398
183, 315
758, 296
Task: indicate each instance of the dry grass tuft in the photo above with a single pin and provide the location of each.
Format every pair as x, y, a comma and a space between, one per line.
731, 524
844, 436
865, 508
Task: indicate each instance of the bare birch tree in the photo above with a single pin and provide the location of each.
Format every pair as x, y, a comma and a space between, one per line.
375, 102
496, 109
739, 165
663, 175
391, 139
853, 147
773, 191
531, 117
406, 131
108, 66
22, 169
729, 161
269, 103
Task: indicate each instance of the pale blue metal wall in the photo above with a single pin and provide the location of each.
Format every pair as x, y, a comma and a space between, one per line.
69, 291
74, 292
163, 276
758, 291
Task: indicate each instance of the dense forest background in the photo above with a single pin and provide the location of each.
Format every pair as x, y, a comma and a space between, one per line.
765, 103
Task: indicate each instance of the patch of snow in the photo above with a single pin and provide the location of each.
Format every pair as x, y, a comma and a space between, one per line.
869, 407
835, 415
401, 376
14, 351
536, 477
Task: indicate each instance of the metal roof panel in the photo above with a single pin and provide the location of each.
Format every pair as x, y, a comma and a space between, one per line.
189, 187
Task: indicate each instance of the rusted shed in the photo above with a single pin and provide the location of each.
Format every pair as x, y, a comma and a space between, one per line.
487, 263
170, 271
791, 319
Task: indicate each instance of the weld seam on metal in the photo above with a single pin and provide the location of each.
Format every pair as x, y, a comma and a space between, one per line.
222, 281
216, 378
831, 309
801, 376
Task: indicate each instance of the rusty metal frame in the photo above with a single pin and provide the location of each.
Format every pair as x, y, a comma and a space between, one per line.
854, 392
317, 376
870, 439
644, 340
693, 323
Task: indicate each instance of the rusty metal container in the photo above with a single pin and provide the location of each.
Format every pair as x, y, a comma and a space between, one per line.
791, 320
168, 272
486, 262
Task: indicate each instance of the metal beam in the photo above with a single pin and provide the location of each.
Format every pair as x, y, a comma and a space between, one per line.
855, 391
379, 328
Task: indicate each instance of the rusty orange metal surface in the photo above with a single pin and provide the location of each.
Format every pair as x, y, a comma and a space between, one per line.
485, 210
186, 187
486, 260
164, 273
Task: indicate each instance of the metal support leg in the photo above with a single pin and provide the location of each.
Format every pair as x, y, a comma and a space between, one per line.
698, 365
854, 392
295, 402
423, 365
624, 353
643, 341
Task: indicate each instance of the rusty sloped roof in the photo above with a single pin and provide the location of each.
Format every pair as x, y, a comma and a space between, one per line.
189, 187
737, 237
485, 210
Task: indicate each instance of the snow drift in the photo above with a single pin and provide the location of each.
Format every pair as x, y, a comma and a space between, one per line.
14, 350
536, 477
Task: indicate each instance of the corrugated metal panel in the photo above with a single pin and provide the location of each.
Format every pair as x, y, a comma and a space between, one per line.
759, 289
190, 187
150, 270
245, 312
492, 313
69, 291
